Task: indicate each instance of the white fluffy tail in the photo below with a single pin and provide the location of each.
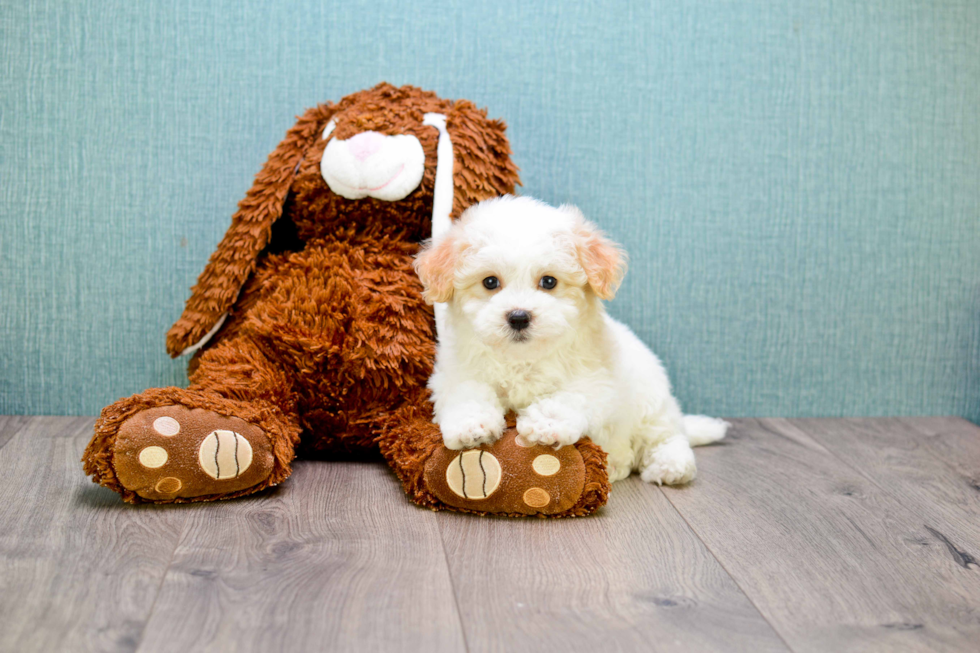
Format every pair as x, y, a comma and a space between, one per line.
701, 429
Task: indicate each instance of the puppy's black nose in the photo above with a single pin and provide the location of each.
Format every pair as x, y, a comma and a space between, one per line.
519, 320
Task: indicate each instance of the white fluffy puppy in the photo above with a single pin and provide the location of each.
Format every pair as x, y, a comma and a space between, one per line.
525, 330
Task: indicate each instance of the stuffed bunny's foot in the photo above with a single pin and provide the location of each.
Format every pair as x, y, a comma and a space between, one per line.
174, 452
172, 445
514, 477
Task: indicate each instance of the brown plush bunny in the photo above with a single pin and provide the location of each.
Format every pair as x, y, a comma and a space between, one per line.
308, 325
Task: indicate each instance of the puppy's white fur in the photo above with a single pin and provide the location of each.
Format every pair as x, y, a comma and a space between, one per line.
574, 370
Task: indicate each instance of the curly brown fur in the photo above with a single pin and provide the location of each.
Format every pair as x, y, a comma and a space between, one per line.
234, 259
327, 334
409, 438
97, 458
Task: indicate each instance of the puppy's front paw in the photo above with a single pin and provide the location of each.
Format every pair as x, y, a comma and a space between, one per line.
471, 425
551, 422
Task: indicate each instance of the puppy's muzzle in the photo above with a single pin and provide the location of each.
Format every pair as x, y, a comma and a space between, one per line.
519, 319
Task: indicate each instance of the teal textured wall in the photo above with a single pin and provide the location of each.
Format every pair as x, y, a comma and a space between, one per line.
798, 182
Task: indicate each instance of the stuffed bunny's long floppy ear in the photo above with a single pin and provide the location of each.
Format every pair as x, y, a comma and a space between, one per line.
235, 258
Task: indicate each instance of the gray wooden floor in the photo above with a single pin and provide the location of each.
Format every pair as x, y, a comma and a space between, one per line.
802, 535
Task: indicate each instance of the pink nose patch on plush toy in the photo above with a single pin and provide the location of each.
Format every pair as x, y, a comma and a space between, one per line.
370, 164
365, 144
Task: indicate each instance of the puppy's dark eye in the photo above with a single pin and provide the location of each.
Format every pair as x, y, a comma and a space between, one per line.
491, 283
548, 283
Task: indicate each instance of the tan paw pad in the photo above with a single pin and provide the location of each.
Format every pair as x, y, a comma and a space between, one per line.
473, 474
225, 454
536, 497
520, 441
166, 426
168, 485
546, 465
153, 457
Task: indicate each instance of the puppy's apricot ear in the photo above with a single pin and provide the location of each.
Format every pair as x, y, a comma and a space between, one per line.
603, 261
436, 267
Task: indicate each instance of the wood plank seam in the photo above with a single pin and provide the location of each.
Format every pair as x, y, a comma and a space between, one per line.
241, 565
959, 556
452, 585
10, 426
632, 577
721, 564
163, 578
765, 501
66, 585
